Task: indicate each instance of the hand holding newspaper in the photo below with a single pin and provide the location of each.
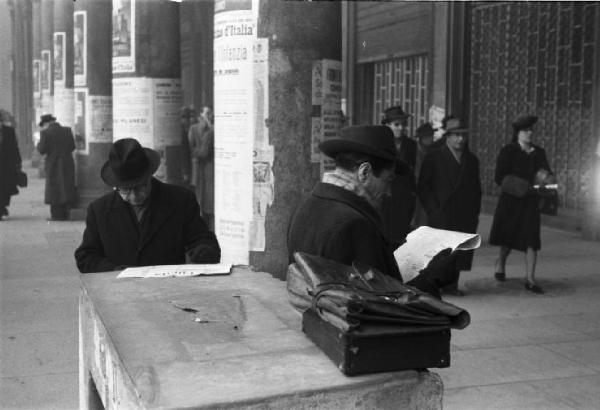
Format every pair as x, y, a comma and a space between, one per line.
164, 271
425, 242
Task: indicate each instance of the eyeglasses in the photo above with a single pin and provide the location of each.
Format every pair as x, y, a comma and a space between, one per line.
136, 188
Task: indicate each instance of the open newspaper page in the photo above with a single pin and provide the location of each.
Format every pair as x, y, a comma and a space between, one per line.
425, 242
163, 271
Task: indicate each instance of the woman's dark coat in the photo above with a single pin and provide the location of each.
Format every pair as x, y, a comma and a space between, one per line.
10, 162
57, 143
170, 227
516, 222
451, 194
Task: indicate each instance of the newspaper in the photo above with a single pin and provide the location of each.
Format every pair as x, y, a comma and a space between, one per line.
425, 242
164, 271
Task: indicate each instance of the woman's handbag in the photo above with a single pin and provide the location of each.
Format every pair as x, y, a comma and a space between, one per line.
21, 178
548, 201
515, 186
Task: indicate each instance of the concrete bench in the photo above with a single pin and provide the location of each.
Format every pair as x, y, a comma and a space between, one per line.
218, 342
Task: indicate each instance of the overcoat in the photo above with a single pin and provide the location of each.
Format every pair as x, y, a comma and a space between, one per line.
516, 223
10, 162
201, 145
397, 209
57, 143
170, 226
451, 194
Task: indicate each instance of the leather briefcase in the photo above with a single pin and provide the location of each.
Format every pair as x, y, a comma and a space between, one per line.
373, 348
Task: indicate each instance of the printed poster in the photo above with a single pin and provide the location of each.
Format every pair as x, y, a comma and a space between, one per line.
64, 99
80, 48
36, 78
46, 73
123, 36
80, 126
60, 61
234, 39
101, 119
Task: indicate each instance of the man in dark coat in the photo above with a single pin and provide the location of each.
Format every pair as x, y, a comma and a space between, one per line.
57, 143
10, 164
398, 208
450, 191
143, 221
339, 220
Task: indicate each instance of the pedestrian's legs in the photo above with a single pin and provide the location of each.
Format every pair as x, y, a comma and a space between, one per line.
500, 274
59, 212
530, 263
4, 202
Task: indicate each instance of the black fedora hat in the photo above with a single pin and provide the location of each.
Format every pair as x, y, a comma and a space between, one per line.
375, 140
524, 121
394, 113
46, 118
424, 130
453, 125
129, 164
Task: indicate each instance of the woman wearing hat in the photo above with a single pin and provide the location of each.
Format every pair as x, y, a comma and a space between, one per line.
516, 223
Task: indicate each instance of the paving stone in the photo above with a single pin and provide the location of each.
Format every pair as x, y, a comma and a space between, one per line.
58, 391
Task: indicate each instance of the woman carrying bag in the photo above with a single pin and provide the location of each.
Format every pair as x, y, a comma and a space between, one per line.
516, 225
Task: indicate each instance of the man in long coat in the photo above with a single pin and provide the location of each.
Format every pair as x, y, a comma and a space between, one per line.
450, 190
57, 143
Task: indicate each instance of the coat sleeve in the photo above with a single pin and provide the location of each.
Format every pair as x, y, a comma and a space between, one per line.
90, 255
201, 244
43, 145
503, 165
425, 185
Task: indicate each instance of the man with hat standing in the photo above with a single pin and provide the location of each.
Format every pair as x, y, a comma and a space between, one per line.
340, 219
143, 221
57, 143
450, 191
398, 208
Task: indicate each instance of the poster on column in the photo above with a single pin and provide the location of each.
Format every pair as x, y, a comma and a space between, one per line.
80, 125
64, 99
264, 180
234, 39
123, 36
36, 78
101, 119
60, 61
45, 72
80, 48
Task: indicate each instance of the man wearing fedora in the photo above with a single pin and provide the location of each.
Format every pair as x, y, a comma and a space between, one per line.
143, 221
450, 191
340, 219
57, 143
398, 208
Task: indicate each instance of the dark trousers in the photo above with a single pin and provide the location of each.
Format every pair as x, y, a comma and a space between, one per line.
59, 212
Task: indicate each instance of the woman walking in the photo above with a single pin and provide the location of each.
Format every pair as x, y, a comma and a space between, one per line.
10, 163
516, 225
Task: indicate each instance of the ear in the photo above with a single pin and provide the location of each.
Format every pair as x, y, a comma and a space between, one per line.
364, 171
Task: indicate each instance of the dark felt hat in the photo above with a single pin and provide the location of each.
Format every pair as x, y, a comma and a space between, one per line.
375, 140
453, 125
394, 113
46, 118
129, 164
524, 121
424, 130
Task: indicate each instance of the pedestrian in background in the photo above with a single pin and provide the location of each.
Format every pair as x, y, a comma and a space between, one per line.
424, 135
143, 221
450, 191
10, 162
201, 140
57, 143
516, 223
397, 209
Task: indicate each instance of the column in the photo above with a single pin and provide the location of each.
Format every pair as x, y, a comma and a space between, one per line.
63, 62
146, 79
46, 58
36, 11
92, 114
266, 156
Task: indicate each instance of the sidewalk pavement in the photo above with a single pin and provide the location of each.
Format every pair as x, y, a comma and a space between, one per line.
521, 351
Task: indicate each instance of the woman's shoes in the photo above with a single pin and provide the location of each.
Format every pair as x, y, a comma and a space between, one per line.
500, 276
532, 287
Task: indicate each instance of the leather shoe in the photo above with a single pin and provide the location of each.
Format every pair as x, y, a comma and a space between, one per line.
500, 276
532, 287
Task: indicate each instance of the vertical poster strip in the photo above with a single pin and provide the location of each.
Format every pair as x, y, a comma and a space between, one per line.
63, 105
45, 73
80, 48
235, 29
133, 115
123, 36
331, 110
166, 103
36, 78
316, 134
80, 126
100, 119
263, 177
60, 65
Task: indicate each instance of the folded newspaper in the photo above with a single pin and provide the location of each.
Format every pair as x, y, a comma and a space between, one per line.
164, 271
425, 242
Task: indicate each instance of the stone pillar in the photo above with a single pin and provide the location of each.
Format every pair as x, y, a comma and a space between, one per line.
146, 79
92, 115
36, 11
46, 66
277, 172
63, 61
